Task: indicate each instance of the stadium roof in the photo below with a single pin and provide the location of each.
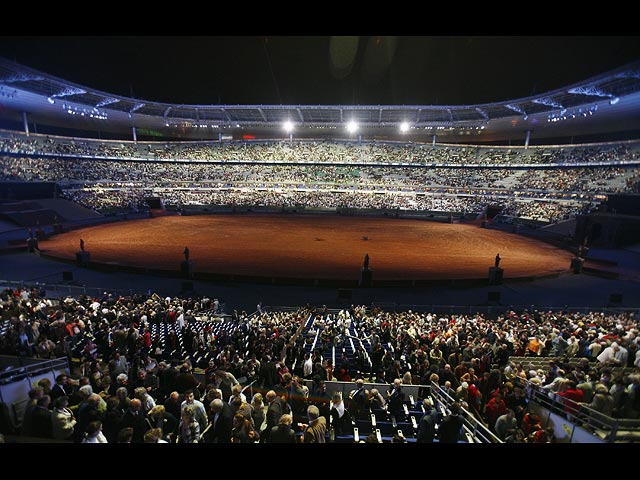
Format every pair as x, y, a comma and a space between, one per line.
606, 103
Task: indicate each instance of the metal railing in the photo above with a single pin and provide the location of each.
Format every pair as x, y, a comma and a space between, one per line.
474, 427
30, 367
581, 415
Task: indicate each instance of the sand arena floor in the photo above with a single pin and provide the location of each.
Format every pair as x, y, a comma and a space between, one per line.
328, 247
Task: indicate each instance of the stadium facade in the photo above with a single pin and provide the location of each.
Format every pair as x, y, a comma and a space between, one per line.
602, 105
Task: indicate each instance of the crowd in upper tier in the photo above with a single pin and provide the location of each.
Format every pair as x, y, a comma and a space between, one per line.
320, 151
310, 177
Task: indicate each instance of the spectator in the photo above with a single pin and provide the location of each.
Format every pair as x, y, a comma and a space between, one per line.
506, 425
283, 433
198, 409
62, 421
243, 431
451, 426
396, 400
42, 424
340, 417
189, 427
221, 423
94, 433
158, 418
428, 423
315, 430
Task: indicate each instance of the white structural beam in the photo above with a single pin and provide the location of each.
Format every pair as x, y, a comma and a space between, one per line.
515, 108
67, 92
629, 74
549, 102
590, 91
106, 101
137, 107
483, 113
23, 77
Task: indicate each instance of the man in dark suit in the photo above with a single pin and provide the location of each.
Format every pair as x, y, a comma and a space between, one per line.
274, 412
172, 404
451, 426
428, 422
185, 380
167, 378
87, 413
134, 418
221, 423
446, 374
41, 425
60, 389
358, 404
396, 399
269, 374
283, 433
223, 383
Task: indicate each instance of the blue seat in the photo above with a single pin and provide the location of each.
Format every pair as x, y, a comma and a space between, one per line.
386, 428
407, 429
364, 427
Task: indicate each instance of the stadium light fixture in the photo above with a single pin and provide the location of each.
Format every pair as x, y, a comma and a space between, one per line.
614, 100
51, 100
288, 126
352, 127
404, 127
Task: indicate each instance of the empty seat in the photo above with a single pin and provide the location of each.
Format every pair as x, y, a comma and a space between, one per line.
386, 428
364, 427
407, 429
349, 438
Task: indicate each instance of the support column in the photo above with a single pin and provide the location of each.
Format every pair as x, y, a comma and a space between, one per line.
433, 142
220, 135
526, 141
26, 123
359, 139
291, 137
135, 134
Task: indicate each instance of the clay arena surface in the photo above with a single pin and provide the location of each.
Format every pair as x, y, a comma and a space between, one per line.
319, 247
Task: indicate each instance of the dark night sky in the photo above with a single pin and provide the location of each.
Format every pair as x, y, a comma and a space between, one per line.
321, 70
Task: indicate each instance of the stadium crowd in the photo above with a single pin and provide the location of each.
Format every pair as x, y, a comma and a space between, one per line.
134, 199
319, 151
71, 171
135, 386
372, 175
445, 190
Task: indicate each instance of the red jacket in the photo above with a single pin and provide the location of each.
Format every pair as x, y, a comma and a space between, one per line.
146, 337
576, 395
494, 410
